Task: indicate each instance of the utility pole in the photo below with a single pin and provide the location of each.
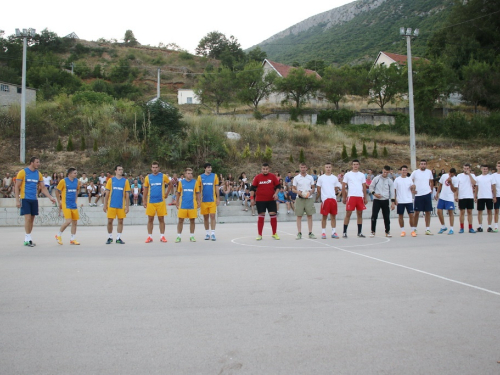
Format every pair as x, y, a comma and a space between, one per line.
25, 34
158, 85
408, 36
72, 66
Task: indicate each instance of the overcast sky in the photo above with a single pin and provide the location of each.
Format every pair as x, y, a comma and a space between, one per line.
180, 22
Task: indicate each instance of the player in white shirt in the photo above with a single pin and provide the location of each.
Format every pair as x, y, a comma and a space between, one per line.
355, 181
486, 196
404, 187
328, 186
446, 198
496, 178
424, 183
303, 185
466, 182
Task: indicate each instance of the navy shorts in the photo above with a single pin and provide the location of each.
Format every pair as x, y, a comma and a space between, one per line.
445, 205
482, 203
405, 206
423, 203
29, 207
497, 204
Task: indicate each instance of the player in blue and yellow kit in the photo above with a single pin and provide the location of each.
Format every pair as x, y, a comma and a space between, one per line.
28, 180
188, 201
154, 200
67, 193
116, 203
208, 185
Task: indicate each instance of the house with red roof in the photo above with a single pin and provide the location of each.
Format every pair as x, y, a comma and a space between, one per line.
388, 58
283, 70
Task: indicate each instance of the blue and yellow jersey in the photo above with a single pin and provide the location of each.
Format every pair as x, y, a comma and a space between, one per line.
188, 190
69, 191
207, 184
29, 185
156, 185
117, 188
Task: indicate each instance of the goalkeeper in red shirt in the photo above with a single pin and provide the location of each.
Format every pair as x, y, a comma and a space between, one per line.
263, 194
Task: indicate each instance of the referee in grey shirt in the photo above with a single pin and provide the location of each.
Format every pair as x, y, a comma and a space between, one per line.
382, 188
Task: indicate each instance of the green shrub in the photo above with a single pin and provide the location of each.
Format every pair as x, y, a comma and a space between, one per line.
94, 148
246, 152
385, 153
268, 154
340, 117
302, 158
83, 146
344, 155
69, 146
257, 154
364, 153
354, 151
290, 159
375, 152
59, 146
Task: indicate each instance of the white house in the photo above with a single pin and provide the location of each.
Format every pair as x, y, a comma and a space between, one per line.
283, 70
11, 94
388, 58
187, 96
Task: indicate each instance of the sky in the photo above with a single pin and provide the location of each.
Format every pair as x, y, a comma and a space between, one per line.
184, 23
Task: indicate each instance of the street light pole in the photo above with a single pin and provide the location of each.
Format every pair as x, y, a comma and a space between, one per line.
25, 34
413, 150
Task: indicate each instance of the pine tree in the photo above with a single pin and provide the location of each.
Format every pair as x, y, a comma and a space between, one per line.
344, 153
365, 151
375, 152
268, 154
59, 146
246, 152
70, 147
354, 151
385, 153
94, 148
257, 154
83, 146
290, 159
302, 158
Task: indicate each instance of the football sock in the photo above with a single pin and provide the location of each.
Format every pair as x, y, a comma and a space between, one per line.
72, 236
427, 228
110, 235
260, 224
59, 234
118, 235
345, 228
323, 230
360, 226
208, 232
470, 226
461, 226
334, 230
213, 232
274, 223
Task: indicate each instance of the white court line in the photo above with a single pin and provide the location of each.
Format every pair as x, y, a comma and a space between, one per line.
398, 265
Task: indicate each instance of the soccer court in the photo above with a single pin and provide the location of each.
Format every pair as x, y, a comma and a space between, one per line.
424, 305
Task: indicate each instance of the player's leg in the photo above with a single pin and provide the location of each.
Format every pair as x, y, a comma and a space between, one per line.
272, 208
375, 210
191, 229
346, 222
109, 227
161, 220
180, 227
386, 212
359, 214
119, 231
323, 224
451, 214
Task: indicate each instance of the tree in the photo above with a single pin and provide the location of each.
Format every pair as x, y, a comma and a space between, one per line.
246, 152
290, 159
59, 146
256, 54
480, 84
257, 154
69, 146
386, 83
129, 38
298, 86
94, 147
83, 146
215, 88
217, 46
302, 158
335, 85
364, 153
375, 152
385, 153
255, 85
317, 65
344, 155
268, 154
354, 151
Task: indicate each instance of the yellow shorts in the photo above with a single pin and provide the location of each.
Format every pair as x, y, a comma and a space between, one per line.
208, 208
159, 209
116, 213
187, 214
71, 213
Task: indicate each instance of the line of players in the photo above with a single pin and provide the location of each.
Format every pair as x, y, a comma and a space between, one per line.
465, 188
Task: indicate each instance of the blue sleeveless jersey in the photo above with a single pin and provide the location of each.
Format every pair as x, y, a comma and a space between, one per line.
188, 192
156, 189
207, 187
71, 193
117, 192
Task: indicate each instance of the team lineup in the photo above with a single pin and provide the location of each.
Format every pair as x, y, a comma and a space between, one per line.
410, 193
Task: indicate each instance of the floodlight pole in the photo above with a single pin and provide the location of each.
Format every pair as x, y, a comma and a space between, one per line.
413, 150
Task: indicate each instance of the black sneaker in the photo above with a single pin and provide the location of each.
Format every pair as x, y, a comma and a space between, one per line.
479, 229
110, 240
361, 235
490, 229
120, 241
344, 235
29, 243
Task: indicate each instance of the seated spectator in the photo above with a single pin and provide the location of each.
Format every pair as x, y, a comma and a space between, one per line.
46, 181
227, 191
94, 178
7, 186
101, 190
84, 181
290, 200
235, 191
102, 179
247, 202
174, 181
288, 180
243, 177
281, 199
136, 193
92, 190
53, 183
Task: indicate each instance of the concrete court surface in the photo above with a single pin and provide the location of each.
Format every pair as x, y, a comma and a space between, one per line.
425, 305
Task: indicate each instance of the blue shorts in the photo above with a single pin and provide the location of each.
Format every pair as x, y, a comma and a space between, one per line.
405, 206
445, 205
29, 207
423, 203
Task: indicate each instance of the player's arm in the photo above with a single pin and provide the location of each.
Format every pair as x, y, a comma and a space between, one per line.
344, 192
45, 192
127, 201
253, 189
452, 187
494, 192
318, 190
145, 187
58, 194
365, 194
17, 190
76, 195
178, 198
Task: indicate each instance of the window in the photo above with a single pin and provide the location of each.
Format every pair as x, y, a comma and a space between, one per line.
189, 100
4, 88
19, 90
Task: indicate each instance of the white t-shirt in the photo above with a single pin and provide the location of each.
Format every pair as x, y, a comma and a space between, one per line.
304, 183
403, 190
92, 189
496, 181
47, 180
328, 185
355, 181
465, 188
421, 180
484, 183
102, 180
446, 193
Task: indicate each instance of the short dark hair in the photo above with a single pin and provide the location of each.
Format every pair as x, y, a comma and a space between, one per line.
33, 158
484, 166
453, 170
356, 161
155, 163
116, 167
314, 170
328, 163
71, 169
206, 165
302, 164
466, 165
423, 160
387, 168
403, 166
265, 165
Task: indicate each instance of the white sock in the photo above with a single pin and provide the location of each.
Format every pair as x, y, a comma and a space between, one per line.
480, 225
334, 230
323, 230
451, 228
489, 225
118, 236
414, 228
402, 229
29, 237
496, 225
443, 226
150, 235
213, 232
73, 237
110, 235
427, 228
26, 237
178, 235
191, 234
208, 232
59, 234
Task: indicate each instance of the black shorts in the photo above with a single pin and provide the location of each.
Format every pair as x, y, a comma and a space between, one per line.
262, 206
497, 204
466, 204
481, 203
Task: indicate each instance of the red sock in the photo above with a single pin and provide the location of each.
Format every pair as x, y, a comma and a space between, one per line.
260, 224
461, 226
470, 226
274, 223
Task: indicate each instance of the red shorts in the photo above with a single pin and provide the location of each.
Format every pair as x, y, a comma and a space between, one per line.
329, 207
355, 203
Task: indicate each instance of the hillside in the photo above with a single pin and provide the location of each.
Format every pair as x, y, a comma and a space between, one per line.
357, 31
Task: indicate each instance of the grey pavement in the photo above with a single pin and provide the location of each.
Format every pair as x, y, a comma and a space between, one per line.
424, 305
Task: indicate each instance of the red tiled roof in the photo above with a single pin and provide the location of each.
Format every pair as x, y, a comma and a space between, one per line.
284, 70
400, 59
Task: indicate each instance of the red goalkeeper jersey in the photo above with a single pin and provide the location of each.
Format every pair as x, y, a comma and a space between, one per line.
266, 186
